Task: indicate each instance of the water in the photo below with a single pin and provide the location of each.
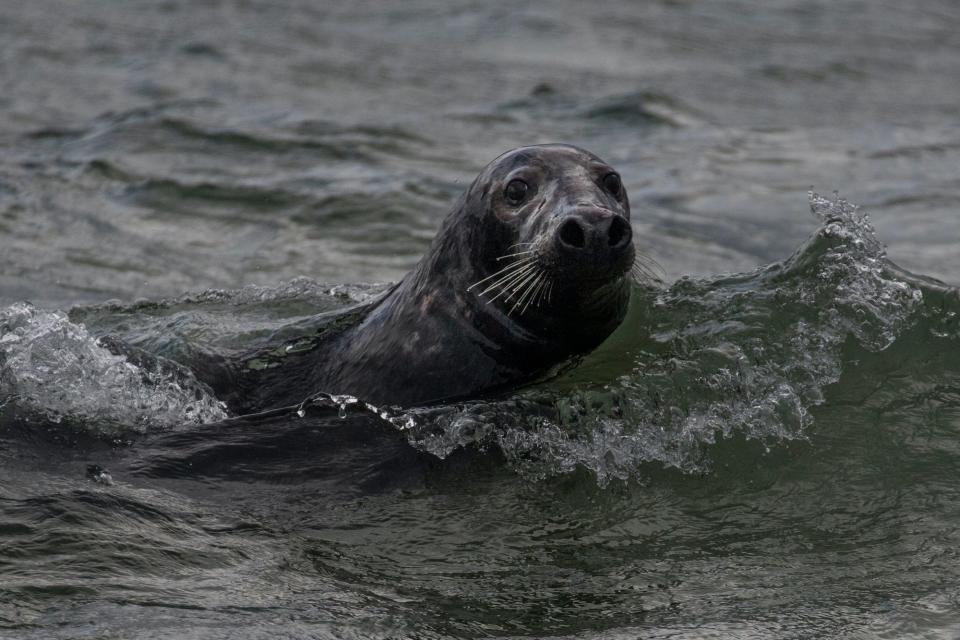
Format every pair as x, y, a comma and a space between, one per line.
766, 448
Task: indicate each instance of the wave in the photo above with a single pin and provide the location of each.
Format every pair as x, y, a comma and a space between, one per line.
740, 355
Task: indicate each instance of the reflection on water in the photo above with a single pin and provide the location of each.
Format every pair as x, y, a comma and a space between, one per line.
765, 455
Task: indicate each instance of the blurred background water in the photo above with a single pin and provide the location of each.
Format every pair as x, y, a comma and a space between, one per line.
155, 148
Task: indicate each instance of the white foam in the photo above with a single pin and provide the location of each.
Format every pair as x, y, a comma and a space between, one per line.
54, 370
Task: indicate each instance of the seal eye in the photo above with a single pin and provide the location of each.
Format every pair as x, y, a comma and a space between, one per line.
611, 182
516, 191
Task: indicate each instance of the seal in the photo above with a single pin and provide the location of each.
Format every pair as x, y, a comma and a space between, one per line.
530, 268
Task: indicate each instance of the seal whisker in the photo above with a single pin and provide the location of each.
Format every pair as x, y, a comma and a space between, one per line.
509, 279
526, 292
520, 288
510, 275
648, 261
537, 296
520, 244
535, 291
646, 270
651, 270
522, 282
510, 255
522, 261
642, 275
542, 294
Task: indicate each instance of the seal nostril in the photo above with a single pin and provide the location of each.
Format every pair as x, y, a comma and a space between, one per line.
571, 234
619, 230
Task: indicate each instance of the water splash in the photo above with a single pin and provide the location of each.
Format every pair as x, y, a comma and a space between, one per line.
53, 370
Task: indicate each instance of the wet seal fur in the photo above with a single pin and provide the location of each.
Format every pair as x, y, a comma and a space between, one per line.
530, 268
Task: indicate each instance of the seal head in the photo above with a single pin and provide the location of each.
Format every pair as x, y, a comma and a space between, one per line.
552, 243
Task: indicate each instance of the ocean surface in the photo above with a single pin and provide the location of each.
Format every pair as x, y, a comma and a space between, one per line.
768, 447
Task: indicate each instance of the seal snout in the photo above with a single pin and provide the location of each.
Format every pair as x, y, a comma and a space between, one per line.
597, 234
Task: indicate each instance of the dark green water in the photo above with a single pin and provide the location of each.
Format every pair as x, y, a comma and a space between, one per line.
772, 454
